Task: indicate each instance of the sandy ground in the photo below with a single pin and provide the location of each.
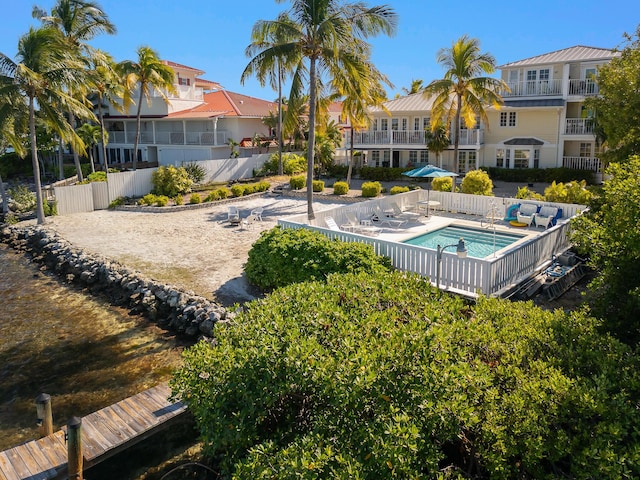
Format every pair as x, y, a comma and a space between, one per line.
197, 250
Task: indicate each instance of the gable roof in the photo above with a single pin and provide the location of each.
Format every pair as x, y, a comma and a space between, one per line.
230, 104
415, 102
182, 67
578, 53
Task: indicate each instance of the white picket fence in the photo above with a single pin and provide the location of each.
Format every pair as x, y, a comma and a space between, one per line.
98, 195
491, 276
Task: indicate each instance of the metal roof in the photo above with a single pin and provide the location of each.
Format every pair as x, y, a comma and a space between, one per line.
578, 53
410, 103
524, 141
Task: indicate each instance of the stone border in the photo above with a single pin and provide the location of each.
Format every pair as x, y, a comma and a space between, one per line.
189, 206
176, 310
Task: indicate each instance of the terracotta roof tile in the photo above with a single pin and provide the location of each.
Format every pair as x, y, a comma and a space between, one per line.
183, 67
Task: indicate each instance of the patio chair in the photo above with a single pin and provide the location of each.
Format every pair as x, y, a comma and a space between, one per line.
233, 215
526, 213
547, 217
381, 217
331, 224
248, 221
258, 213
404, 215
358, 226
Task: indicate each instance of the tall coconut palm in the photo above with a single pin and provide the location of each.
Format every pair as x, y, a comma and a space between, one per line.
91, 135
41, 75
79, 21
437, 141
415, 87
463, 93
147, 74
322, 38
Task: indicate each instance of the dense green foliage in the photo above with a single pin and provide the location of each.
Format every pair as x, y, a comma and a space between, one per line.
11, 164
195, 171
241, 189
154, 200
617, 107
171, 181
340, 188
297, 182
292, 164
442, 184
572, 192
318, 186
99, 176
477, 182
609, 234
545, 175
397, 189
283, 256
22, 199
195, 199
371, 189
382, 174
382, 376
70, 170
50, 208
337, 171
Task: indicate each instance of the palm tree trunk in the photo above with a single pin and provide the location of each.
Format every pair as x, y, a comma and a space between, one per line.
34, 162
456, 143
103, 143
60, 159
312, 137
135, 144
76, 157
5, 200
280, 166
349, 171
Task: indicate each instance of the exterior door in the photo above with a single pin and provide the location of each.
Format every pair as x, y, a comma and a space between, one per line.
396, 159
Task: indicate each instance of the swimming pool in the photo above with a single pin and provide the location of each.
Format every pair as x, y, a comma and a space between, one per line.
480, 242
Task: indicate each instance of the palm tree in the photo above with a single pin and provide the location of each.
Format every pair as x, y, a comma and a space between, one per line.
437, 141
79, 21
147, 74
462, 93
416, 87
321, 38
91, 135
43, 72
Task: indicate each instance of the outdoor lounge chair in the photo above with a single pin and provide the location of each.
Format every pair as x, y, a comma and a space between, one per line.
233, 216
526, 213
404, 215
356, 226
248, 221
364, 229
547, 217
331, 224
381, 217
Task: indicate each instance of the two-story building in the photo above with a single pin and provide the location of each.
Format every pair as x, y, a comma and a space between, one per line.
196, 123
542, 124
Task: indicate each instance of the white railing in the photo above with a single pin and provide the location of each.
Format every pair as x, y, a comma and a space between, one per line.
471, 276
583, 87
578, 126
527, 88
583, 163
117, 137
186, 92
171, 138
146, 137
411, 137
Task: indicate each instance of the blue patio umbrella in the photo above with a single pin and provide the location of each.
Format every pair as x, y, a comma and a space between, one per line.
430, 171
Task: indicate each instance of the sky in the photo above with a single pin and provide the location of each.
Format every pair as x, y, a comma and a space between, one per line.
212, 35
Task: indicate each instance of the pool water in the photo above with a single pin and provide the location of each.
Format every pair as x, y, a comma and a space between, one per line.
480, 243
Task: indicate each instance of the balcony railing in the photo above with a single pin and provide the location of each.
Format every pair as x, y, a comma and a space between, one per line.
578, 126
587, 87
583, 163
170, 138
527, 88
409, 137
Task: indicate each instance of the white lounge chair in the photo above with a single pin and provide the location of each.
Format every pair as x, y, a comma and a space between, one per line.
258, 213
404, 215
381, 217
546, 217
526, 213
233, 215
248, 221
364, 229
331, 224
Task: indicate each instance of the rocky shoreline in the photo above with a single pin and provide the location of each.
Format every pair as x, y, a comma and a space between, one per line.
171, 308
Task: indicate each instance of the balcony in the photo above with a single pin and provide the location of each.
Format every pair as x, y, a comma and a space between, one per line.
170, 138
585, 88
583, 163
404, 138
578, 126
534, 88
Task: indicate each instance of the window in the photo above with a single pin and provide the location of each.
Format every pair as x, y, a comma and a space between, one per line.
500, 157
508, 119
585, 150
521, 158
413, 157
416, 123
375, 158
384, 124
385, 158
426, 123
404, 124
394, 124
466, 161
536, 158
424, 156
374, 125
184, 81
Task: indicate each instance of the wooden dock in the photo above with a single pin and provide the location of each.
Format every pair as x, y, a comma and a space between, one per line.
104, 433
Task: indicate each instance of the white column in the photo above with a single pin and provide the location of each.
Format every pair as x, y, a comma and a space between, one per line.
153, 130
215, 131
565, 80
184, 132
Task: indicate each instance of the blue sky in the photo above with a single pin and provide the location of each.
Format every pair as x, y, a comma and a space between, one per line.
211, 35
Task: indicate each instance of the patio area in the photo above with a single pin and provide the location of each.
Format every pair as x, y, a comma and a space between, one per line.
491, 275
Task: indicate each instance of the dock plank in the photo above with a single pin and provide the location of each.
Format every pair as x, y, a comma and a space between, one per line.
104, 433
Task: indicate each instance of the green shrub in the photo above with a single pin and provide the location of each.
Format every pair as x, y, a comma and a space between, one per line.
70, 170
525, 194
50, 208
171, 181
546, 175
340, 188
371, 189
375, 376
283, 256
149, 199
195, 199
117, 202
338, 171
11, 218
382, 174
262, 186
318, 186
11, 164
237, 190
99, 176
442, 184
195, 171
572, 192
22, 199
162, 201
397, 189
249, 189
477, 182
298, 182
292, 164
178, 199
213, 196
223, 192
